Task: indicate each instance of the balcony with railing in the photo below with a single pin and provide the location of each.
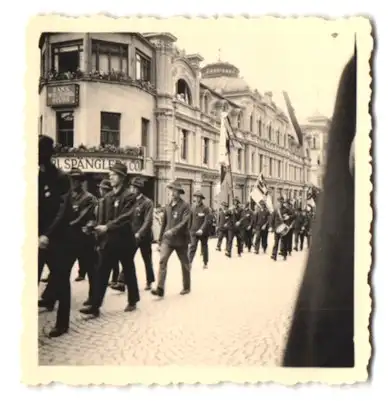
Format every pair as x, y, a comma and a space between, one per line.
113, 77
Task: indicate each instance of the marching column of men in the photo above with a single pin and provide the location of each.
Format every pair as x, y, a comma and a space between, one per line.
251, 228
73, 225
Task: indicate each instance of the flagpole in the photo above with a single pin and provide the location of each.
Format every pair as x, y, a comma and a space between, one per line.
230, 172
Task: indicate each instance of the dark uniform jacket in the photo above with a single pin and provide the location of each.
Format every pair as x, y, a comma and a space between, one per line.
201, 219
225, 220
238, 217
278, 218
142, 219
248, 217
177, 219
115, 210
305, 226
54, 206
262, 217
298, 223
83, 204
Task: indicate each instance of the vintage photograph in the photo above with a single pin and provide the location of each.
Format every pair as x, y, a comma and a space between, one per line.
196, 197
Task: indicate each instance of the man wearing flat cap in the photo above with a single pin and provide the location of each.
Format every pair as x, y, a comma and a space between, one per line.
174, 236
261, 226
199, 229
236, 229
141, 223
116, 241
83, 203
247, 226
54, 215
290, 222
104, 187
224, 223
279, 216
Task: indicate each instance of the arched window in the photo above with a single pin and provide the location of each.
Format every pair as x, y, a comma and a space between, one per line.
183, 92
260, 128
270, 132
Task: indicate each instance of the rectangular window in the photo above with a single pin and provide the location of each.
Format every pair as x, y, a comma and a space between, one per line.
65, 128
205, 151
143, 67
239, 159
270, 166
184, 143
145, 126
109, 58
279, 168
66, 57
110, 129
261, 164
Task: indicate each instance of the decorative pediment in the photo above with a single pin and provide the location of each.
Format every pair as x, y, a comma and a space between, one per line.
182, 66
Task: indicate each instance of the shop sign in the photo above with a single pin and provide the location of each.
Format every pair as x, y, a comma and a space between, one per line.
63, 95
97, 164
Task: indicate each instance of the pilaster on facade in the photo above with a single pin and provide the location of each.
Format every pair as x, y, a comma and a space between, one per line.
165, 136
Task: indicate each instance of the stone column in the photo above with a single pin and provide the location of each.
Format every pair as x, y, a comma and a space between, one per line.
197, 146
163, 60
87, 54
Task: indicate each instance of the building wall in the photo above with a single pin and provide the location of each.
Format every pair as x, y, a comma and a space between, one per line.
168, 115
132, 103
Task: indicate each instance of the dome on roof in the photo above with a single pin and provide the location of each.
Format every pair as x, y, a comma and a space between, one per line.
223, 77
317, 116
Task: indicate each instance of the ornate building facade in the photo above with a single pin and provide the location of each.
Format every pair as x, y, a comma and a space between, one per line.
268, 145
137, 98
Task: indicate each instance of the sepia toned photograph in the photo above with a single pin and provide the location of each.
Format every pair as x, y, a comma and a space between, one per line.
197, 208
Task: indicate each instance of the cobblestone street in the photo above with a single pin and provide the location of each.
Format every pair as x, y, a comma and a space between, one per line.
238, 313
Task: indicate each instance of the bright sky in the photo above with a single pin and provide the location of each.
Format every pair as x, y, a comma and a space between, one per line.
299, 56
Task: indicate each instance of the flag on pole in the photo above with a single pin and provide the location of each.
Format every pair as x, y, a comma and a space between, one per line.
293, 120
228, 139
261, 192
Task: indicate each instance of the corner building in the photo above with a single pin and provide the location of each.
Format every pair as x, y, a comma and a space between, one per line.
136, 98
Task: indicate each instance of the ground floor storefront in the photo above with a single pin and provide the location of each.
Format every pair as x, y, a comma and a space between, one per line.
96, 168
156, 179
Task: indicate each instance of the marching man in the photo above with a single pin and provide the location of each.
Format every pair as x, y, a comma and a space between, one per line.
54, 215
199, 229
141, 223
117, 241
83, 203
248, 226
278, 219
261, 225
224, 220
234, 230
174, 236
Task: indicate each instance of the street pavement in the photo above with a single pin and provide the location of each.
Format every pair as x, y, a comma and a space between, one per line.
238, 314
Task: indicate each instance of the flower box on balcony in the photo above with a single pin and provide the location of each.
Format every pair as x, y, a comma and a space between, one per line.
96, 76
